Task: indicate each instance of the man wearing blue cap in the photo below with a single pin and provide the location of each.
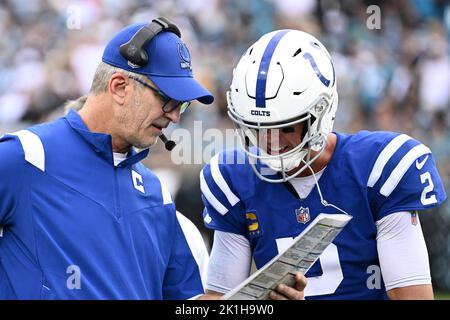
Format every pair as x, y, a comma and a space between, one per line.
80, 217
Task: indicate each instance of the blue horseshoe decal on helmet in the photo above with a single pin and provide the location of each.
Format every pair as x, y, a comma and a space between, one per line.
319, 74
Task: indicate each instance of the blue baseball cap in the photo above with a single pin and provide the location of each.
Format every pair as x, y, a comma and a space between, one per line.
169, 64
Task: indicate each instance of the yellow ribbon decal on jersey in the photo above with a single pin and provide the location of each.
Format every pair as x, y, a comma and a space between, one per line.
253, 224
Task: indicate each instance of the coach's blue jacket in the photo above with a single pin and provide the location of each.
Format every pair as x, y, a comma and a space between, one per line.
74, 226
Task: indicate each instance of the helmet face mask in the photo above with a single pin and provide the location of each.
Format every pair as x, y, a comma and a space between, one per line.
298, 89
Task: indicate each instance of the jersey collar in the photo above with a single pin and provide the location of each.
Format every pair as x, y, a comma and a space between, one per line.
101, 143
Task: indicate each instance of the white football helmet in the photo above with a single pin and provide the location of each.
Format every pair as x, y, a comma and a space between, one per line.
286, 77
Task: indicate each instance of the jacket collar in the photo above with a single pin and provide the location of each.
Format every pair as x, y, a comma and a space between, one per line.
101, 143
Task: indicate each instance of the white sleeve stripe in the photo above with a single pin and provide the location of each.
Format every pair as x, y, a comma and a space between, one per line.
210, 197
167, 198
220, 181
196, 244
32, 147
401, 168
384, 157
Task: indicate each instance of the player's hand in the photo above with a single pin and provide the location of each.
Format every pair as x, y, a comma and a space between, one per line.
283, 292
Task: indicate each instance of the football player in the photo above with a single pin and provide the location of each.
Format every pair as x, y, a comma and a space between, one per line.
292, 167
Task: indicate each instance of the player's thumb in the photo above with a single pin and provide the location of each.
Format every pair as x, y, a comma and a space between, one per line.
300, 281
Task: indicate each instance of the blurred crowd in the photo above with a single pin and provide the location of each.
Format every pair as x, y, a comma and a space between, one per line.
391, 76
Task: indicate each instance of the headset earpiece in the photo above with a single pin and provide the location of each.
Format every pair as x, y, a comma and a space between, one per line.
134, 51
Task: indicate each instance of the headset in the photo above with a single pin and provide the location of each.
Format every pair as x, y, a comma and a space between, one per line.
135, 53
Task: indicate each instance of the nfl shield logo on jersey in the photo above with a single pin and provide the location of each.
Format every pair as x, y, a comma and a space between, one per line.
302, 215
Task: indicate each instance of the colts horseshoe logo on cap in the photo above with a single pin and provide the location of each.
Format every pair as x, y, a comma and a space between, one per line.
185, 57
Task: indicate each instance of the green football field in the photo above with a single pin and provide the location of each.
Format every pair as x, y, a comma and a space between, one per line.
442, 295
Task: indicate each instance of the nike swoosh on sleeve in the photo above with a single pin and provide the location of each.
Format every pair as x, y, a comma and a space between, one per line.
419, 165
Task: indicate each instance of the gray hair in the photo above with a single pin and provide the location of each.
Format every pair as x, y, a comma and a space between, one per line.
75, 104
103, 74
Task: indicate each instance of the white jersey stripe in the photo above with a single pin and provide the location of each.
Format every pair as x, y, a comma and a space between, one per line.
32, 147
167, 198
220, 181
210, 197
384, 157
401, 168
196, 244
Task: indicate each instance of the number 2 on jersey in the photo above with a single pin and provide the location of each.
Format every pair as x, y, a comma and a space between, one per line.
425, 178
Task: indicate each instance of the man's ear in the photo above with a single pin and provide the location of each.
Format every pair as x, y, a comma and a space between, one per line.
118, 86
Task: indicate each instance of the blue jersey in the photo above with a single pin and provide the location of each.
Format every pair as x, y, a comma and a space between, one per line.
77, 227
370, 175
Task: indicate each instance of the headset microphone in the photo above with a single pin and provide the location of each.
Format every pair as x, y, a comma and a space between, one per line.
169, 144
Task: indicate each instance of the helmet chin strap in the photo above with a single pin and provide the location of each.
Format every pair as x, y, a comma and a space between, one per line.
324, 202
309, 159
286, 164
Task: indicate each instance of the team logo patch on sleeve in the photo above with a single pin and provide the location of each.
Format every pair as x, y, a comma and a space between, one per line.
254, 229
302, 215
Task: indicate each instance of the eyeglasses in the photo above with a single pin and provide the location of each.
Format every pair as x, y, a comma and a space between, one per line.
169, 104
